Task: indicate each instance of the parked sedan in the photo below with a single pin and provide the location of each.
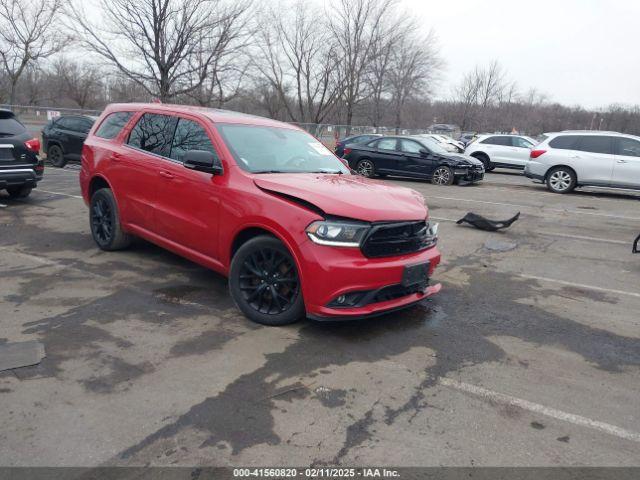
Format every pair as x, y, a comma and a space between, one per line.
340, 144
506, 151
412, 157
64, 136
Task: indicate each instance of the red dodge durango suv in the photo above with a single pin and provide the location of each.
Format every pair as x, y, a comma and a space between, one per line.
261, 202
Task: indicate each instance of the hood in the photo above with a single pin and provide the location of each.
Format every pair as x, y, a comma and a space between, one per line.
349, 196
468, 159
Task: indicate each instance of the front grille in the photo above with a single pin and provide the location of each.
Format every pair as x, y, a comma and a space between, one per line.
391, 239
397, 291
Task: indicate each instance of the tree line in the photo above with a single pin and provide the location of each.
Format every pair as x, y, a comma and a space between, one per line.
347, 62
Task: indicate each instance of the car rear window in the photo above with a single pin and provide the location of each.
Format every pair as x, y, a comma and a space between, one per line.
564, 142
10, 126
113, 125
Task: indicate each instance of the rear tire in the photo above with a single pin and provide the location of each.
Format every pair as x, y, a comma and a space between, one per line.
366, 168
105, 224
561, 180
264, 282
19, 192
55, 156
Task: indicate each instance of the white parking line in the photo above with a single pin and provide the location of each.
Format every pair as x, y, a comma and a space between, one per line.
541, 409
560, 210
582, 237
58, 193
579, 285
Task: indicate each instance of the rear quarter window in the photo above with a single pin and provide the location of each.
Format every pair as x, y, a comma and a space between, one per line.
11, 126
113, 125
564, 142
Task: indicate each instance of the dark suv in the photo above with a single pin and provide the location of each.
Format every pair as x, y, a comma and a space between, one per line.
20, 167
64, 136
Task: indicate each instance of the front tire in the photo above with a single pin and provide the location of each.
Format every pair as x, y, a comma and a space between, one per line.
264, 282
55, 156
442, 176
561, 180
104, 218
366, 168
488, 165
19, 192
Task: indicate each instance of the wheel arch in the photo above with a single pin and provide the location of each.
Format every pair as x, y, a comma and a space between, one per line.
479, 154
96, 183
57, 143
568, 167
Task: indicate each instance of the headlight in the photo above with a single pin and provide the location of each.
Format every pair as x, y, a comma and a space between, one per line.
432, 234
337, 233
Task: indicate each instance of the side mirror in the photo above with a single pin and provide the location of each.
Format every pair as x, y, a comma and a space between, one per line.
424, 152
202, 161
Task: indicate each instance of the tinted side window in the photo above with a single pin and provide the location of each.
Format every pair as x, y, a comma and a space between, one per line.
190, 136
64, 123
595, 144
520, 142
564, 142
628, 147
153, 133
113, 125
387, 144
506, 141
409, 146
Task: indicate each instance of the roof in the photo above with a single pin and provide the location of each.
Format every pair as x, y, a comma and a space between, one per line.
591, 132
216, 115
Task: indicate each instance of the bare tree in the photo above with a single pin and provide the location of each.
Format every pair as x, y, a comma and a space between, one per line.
168, 47
80, 82
415, 63
465, 97
357, 26
298, 57
28, 33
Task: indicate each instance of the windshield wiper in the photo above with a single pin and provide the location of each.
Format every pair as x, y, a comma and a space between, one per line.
270, 171
328, 171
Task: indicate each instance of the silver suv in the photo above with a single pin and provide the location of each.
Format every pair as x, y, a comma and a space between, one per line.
571, 159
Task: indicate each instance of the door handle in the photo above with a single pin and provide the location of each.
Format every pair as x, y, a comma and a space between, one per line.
622, 161
166, 175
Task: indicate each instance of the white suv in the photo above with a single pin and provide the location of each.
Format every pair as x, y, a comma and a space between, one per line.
506, 151
568, 160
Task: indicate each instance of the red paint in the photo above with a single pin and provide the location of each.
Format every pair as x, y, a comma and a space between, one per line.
198, 215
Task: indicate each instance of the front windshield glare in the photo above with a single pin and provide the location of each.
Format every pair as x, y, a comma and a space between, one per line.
434, 146
261, 149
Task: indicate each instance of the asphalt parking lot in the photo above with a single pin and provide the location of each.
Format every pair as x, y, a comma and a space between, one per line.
529, 356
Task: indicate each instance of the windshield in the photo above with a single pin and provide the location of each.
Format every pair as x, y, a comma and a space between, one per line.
434, 146
262, 149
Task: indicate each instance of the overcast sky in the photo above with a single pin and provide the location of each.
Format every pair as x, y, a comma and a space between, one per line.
583, 52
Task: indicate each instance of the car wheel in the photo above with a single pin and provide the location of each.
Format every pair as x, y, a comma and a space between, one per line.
488, 165
19, 192
105, 222
561, 180
366, 168
55, 156
442, 176
264, 282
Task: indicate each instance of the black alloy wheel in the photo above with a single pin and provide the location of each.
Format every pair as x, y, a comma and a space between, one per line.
104, 221
264, 282
55, 156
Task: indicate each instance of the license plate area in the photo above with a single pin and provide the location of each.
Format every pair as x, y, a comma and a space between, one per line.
415, 275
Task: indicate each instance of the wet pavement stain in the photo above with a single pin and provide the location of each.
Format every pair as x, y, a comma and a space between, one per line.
537, 425
470, 317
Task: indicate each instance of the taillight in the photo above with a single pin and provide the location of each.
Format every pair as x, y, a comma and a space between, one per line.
347, 151
33, 145
536, 153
